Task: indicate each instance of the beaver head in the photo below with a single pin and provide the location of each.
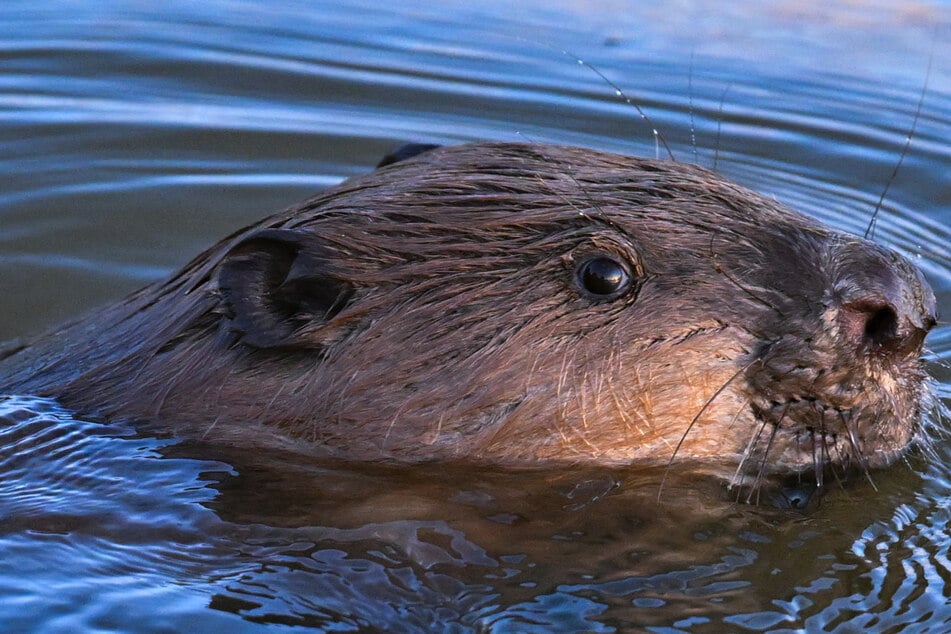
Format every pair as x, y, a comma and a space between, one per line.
519, 303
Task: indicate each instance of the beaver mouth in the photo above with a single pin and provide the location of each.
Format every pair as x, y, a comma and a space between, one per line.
807, 433
801, 444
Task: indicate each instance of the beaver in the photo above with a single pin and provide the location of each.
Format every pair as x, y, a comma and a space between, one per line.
518, 304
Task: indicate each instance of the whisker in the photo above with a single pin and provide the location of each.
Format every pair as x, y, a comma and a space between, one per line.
693, 422
716, 146
870, 229
693, 128
818, 467
827, 461
760, 475
658, 137
856, 450
747, 454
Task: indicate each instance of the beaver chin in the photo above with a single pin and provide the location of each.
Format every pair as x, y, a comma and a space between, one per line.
519, 304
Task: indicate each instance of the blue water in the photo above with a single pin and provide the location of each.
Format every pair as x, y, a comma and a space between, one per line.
133, 134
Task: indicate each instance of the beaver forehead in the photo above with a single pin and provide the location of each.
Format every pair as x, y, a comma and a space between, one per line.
479, 199
485, 183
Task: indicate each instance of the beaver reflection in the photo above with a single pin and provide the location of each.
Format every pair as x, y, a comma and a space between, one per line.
520, 304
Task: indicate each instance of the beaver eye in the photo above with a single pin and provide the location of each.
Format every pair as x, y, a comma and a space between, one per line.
603, 277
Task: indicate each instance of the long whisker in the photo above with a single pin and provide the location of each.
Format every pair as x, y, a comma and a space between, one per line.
827, 460
760, 475
747, 451
870, 230
716, 146
696, 417
754, 440
856, 450
693, 128
658, 137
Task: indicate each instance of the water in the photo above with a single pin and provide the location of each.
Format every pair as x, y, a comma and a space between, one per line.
134, 134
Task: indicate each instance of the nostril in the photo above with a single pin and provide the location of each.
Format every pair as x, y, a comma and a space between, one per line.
870, 323
881, 326
882, 304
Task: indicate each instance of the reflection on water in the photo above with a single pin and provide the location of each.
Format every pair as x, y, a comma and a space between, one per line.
122, 525
132, 135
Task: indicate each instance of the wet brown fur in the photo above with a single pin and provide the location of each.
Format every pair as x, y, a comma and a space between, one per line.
430, 311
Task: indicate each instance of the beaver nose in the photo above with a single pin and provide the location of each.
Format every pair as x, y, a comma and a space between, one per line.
884, 303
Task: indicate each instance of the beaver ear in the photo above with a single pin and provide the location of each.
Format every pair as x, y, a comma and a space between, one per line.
277, 290
407, 151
